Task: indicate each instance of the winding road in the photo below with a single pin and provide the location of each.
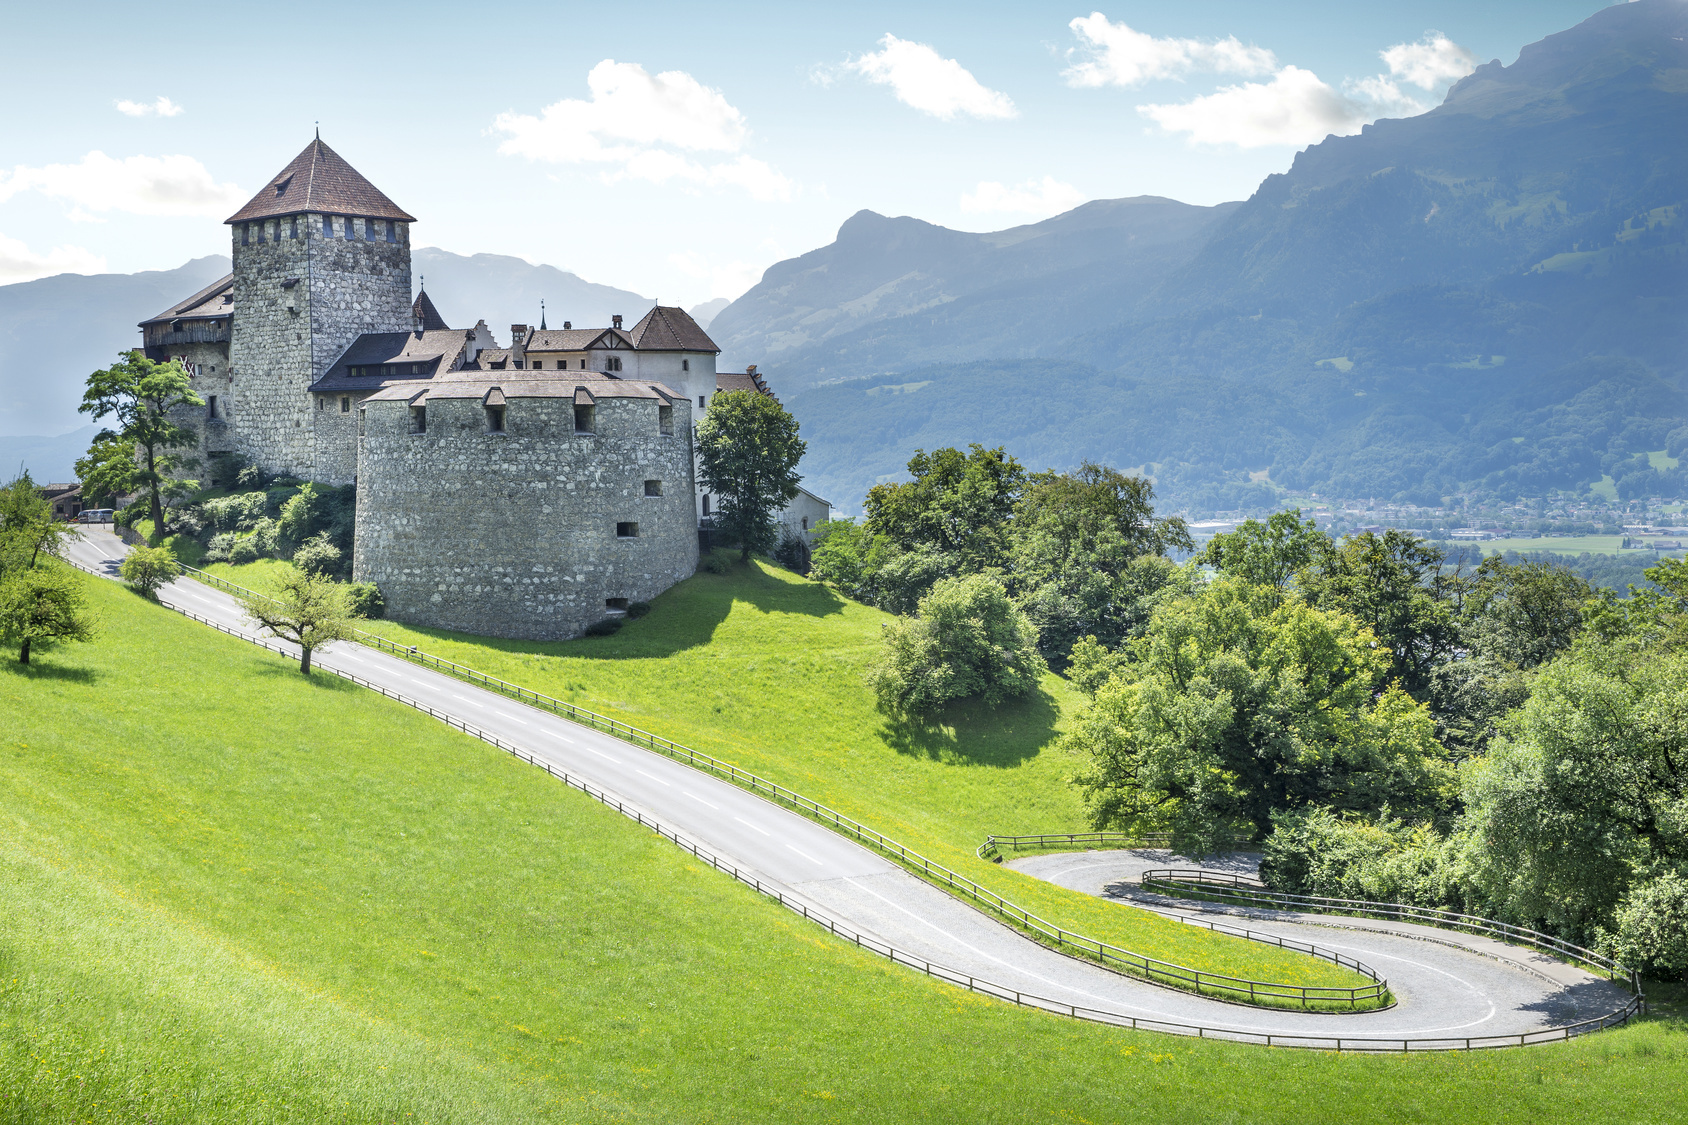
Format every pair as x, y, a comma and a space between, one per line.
1450, 987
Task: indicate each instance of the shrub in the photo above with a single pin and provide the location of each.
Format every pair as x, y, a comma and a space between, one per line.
968, 642
317, 555
266, 538
606, 627
243, 550
239, 512
638, 609
366, 600
792, 552
145, 569
716, 564
218, 549
1652, 928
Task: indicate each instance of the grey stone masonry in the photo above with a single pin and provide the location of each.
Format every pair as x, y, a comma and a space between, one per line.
207, 365
532, 533
302, 293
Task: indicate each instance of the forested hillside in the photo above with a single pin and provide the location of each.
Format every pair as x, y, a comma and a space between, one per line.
1490, 296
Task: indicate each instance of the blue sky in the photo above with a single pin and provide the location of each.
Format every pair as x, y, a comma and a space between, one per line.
679, 149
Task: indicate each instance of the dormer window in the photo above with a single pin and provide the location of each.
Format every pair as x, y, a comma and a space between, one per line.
518, 364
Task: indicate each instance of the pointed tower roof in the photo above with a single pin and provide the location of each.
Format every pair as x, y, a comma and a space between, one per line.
670, 330
423, 309
319, 179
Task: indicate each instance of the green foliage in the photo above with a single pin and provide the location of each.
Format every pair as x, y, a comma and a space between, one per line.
1268, 554
28, 531
968, 642
142, 394
1651, 927
364, 599
748, 452
792, 552
307, 609
42, 604
1239, 705
107, 471
244, 549
146, 569
1313, 851
317, 555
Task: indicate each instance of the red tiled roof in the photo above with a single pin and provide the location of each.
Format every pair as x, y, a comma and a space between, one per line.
319, 179
670, 330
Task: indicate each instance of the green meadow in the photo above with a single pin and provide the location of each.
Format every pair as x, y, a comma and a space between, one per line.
235, 894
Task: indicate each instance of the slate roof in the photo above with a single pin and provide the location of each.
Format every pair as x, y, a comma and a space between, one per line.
569, 339
319, 179
565, 386
741, 381
216, 299
671, 330
432, 352
423, 309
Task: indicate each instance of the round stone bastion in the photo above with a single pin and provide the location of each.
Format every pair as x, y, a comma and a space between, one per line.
527, 508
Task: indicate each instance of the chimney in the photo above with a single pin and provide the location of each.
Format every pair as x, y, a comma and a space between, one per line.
751, 371
615, 321
567, 326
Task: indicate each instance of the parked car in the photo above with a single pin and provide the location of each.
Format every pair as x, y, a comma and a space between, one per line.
95, 515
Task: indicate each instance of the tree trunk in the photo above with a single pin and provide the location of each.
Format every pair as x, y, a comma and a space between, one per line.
304, 660
23, 653
156, 507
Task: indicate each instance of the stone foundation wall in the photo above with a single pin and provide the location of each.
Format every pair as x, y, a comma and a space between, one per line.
515, 534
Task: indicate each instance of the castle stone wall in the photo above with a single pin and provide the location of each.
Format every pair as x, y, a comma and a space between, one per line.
335, 418
285, 337
514, 534
208, 374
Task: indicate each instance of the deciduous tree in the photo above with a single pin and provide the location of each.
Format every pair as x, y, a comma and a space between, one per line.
749, 450
307, 609
141, 393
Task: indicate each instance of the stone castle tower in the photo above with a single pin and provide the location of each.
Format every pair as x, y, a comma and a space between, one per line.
321, 257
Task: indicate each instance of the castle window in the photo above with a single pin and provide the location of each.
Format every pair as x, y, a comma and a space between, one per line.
612, 363
211, 407
585, 419
805, 523
700, 402
345, 404
416, 369
616, 605
246, 234
627, 531
293, 228
665, 420
518, 365
321, 403
497, 365
419, 419
706, 505
369, 230
685, 365
495, 419
653, 488
328, 226
583, 365
346, 226
392, 233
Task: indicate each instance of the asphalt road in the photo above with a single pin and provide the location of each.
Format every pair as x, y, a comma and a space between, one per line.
1444, 991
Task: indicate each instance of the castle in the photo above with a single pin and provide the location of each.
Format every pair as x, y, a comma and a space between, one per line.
524, 491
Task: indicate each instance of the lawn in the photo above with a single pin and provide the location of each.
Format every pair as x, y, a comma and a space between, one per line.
1565, 545
765, 669
236, 894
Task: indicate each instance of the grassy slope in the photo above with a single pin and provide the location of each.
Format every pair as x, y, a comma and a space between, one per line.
234, 894
765, 669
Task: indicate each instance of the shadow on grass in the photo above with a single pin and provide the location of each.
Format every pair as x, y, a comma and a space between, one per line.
35, 670
973, 734
682, 617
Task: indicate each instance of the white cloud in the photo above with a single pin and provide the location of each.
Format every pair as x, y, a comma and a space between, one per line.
1122, 56
19, 263
1048, 196
1434, 61
634, 121
163, 107
924, 79
138, 185
1294, 108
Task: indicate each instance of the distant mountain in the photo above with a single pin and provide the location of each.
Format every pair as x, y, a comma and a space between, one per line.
891, 293
56, 330
705, 313
1490, 296
503, 291
47, 459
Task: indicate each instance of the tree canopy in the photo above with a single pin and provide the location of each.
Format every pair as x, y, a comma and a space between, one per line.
748, 450
141, 394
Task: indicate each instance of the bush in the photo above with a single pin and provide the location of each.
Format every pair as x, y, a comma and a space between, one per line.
716, 564
243, 550
266, 538
792, 552
968, 642
145, 569
218, 549
607, 627
638, 609
1652, 928
317, 555
366, 600
239, 512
